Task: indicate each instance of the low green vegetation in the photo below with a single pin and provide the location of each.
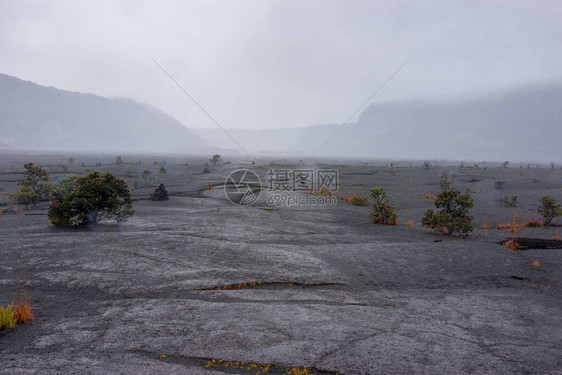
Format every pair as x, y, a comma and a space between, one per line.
34, 187
509, 201
358, 200
446, 181
87, 199
452, 215
549, 209
7, 319
147, 177
382, 212
215, 159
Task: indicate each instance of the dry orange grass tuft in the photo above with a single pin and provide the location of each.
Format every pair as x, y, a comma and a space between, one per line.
485, 224
513, 227
342, 197
427, 195
532, 224
209, 186
395, 221
536, 263
358, 200
409, 223
556, 236
22, 311
22, 307
252, 284
330, 193
503, 226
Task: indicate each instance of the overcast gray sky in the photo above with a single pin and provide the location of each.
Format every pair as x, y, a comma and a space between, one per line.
265, 64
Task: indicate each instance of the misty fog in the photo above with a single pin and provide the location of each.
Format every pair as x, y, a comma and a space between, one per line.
483, 82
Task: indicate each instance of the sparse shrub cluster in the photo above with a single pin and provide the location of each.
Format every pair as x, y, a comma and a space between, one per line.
147, 177
446, 181
453, 214
88, 199
34, 187
510, 201
549, 209
215, 159
358, 200
382, 212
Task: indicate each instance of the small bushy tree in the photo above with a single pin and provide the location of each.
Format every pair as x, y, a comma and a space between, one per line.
147, 177
549, 209
446, 181
382, 212
215, 159
87, 199
453, 214
33, 187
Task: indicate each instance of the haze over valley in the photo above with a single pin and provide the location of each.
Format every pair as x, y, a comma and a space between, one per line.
495, 127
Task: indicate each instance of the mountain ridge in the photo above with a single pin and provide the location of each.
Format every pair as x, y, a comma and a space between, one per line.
38, 117
523, 125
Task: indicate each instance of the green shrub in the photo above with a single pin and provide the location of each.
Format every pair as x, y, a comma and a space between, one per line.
88, 199
510, 201
7, 317
453, 215
215, 159
358, 200
33, 187
549, 209
147, 177
382, 212
446, 181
